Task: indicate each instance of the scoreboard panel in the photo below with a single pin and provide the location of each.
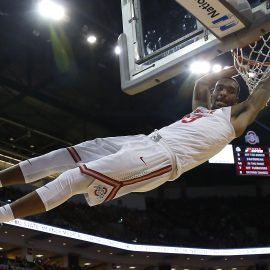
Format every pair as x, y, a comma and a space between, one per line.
252, 160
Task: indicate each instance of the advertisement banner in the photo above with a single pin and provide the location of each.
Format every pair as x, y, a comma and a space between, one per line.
221, 19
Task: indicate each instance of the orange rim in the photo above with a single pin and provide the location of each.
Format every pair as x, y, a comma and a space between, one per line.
251, 62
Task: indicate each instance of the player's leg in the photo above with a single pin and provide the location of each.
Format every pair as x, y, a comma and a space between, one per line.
61, 160
30, 204
47, 197
36, 168
11, 176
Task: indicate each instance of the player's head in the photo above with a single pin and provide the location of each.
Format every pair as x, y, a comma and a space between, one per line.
225, 93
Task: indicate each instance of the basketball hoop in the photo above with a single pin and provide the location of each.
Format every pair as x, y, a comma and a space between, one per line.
253, 61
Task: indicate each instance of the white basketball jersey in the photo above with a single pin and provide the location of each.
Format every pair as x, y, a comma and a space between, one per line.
198, 136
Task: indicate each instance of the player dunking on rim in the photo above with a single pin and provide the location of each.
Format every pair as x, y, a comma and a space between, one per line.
104, 169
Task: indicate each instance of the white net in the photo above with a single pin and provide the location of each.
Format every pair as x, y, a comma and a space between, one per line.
253, 62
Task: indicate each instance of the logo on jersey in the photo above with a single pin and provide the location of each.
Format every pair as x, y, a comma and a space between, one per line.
100, 191
141, 158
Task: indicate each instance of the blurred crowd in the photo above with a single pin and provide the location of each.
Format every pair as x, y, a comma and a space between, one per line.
22, 264
230, 222
37, 264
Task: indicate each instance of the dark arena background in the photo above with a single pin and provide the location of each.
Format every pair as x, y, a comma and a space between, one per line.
59, 88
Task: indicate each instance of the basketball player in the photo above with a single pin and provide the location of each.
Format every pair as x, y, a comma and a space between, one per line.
104, 169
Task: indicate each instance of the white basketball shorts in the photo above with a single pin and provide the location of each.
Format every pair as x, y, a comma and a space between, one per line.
121, 165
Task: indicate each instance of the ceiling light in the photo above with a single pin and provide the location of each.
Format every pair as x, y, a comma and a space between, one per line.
50, 10
88, 263
1, 248
200, 67
117, 50
92, 39
39, 255
132, 267
120, 220
118, 266
216, 68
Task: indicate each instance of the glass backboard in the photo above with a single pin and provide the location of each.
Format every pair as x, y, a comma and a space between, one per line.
161, 37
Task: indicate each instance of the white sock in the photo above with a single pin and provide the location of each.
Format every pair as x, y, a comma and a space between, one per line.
6, 213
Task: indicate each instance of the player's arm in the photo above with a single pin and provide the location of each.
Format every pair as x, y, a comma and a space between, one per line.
244, 113
204, 85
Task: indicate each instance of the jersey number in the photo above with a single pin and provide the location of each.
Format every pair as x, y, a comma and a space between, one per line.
190, 118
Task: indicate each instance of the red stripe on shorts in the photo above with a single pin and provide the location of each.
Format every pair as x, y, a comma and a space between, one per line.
139, 179
117, 185
74, 154
103, 178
